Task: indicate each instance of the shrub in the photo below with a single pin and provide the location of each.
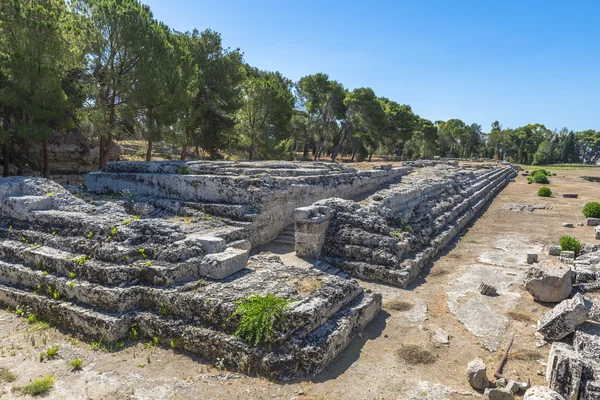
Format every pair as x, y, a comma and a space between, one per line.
39, 386
540, 177
592, 210
544, 192
569, 243
185, 170
259, 316
541, 171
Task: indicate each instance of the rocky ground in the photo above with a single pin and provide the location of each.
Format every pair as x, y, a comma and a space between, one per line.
401, 355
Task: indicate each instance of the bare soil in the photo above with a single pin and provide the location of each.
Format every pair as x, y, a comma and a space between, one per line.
372, 366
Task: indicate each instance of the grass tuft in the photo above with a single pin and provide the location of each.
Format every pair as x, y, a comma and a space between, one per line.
37, 386
398, 305
415, 355
7, 375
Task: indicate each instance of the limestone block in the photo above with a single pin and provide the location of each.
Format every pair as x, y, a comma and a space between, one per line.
554, 251
570, 195
568, 225
221, 265
241, 244
564, 318
477, 374
564, 369
568, 254
532, 258
549, 282
310, 226
593, 221
498, 394
143, 208
542, 393
211, 244
597, 232
586, 342
590, 390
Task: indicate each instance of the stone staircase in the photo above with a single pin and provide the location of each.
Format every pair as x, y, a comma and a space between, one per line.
286, 237
93, 268
400, 229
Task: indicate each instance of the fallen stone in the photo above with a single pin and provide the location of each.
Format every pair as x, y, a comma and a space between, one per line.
570, 195
221, 265
143, 209
498, 394
477, 374
418, 314
550, 282
597, 232
593, 221
586, 342
542, 393
568, 225
532, 258
554, 251
441, 336
567, 254
486, 289
564, 369
564, 318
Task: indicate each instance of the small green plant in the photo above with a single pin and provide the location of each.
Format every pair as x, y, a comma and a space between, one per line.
163, 309
38, 386
135, 217
592, 210
31, 318
125, 259
127, 222
53, 233
184, 170
153, 343
71, 284
544, 192
141, 365
76, 363
172, 343
540, 177
113, 231
90, 235
569, 243
44, 273
259, 315
50, 194
52, 351
142, 252
134, 335
80, 260
72, 275
148, 263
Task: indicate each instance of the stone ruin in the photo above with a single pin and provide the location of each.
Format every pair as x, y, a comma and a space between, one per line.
164, 248
392, 234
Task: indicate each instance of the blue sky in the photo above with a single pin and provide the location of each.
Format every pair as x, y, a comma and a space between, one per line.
517, 62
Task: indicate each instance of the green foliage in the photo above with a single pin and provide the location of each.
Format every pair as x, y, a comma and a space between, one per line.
72, 275
7, 375
184, 170
38, 386
163, 309
569, 243
539, 177
76, 363
259, 316
544, 192
134, 334
52, 351
592, 210
80, 260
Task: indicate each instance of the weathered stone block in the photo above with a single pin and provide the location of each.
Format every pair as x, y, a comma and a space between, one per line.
311, 225
593, 221
564, 318
221, 265
568, 225
241, 244
498, 394
554, 250
586, 341
549, 282
211, 244
590, 390
532, 258
570, 195
597, 232
564, 370
477, 374
542, 393
568, 254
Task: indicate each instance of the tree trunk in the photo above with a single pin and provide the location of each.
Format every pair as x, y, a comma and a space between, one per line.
251, 152
197, 151
149, 150
102, 150
183, 153
371, 154
46, 169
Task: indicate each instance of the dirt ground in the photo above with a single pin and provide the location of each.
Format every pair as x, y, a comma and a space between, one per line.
492, 249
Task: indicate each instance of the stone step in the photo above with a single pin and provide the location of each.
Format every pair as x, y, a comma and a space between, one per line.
287, 240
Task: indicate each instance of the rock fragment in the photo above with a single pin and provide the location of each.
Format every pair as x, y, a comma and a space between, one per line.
568, 225
597, 232
477, 374
542, 393
441, 336
498, 394
593, 221
532, 258
550, 282
564, 318
554, 251
564, 370
487, 290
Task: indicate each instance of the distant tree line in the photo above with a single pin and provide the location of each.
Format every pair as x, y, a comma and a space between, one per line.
108, 69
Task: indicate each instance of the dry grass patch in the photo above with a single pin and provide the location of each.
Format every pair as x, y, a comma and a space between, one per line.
307, 286
517, 316
416, 355
525, 355
438, 272
7, 375
398, 305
